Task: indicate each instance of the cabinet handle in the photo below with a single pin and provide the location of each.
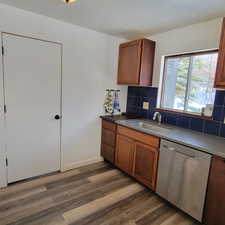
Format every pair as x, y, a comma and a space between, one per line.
182, 153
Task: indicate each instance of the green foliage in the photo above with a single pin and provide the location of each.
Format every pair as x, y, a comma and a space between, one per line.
200, 68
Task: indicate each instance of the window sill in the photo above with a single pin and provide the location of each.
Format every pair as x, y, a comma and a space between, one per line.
185, 114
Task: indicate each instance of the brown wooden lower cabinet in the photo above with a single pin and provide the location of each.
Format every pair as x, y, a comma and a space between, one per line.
108, 141
137, 154
133, 152
215, 200
125, 153
145, 164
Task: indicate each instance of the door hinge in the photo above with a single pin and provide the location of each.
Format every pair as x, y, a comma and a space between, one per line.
5, 110
6, 161
3, 50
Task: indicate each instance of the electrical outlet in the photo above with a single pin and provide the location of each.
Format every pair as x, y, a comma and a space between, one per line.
145, 105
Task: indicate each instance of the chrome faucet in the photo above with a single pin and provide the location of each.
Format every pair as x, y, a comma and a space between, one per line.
157, 116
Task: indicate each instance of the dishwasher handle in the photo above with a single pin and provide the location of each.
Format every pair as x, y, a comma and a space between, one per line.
169, 148
183, 153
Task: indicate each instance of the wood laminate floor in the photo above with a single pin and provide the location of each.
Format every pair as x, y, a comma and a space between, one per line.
97, 195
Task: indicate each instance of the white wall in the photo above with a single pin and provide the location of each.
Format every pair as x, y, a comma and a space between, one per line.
89, 67
196, 37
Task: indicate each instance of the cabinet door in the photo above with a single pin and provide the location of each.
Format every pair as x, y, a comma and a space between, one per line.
145, 164
125, 153
147, 62
220, 73
215, 201
129, 63
32, 85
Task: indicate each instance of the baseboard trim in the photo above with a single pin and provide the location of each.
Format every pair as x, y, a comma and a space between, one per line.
81, 163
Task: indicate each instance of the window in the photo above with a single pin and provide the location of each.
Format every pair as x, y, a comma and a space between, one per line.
188, 82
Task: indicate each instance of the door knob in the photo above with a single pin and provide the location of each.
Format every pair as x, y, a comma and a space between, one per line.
57, 117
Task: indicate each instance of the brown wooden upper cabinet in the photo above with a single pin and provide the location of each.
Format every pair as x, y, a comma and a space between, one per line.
136, 59
220, 72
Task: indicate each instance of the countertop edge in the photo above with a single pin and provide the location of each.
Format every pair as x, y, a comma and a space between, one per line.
157, 134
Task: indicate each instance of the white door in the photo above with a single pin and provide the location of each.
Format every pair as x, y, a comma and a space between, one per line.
3, 172
32, 75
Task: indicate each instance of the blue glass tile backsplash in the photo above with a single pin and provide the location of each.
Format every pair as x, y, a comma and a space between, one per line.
138, 95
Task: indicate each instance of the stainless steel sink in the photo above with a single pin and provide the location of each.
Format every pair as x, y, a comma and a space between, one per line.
153, 127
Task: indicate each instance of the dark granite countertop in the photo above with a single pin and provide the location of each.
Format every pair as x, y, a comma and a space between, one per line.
203, 142
115, 118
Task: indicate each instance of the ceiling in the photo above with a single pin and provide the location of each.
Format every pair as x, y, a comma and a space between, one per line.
127, 18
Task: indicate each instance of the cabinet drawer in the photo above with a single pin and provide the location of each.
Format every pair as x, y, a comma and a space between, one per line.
109, 125
138, 136
108, 137
108, 152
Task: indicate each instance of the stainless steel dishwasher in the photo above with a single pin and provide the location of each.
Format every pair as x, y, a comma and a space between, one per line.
183, 177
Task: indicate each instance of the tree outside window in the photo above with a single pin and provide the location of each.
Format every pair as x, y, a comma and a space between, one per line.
188, 83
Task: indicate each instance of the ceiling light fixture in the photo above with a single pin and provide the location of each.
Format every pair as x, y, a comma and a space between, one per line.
69, 1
